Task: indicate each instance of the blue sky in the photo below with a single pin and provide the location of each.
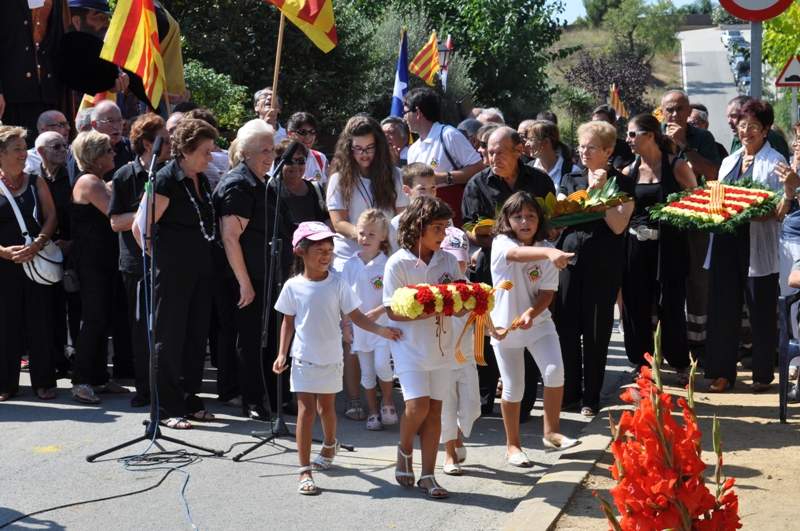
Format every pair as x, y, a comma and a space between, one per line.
574, 8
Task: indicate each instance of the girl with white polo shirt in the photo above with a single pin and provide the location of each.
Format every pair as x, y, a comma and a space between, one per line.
520, 230
312, 302
422, 355
364, 274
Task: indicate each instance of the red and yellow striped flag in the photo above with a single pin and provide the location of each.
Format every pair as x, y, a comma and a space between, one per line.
314, 18
132, 43
426, 63
615, 102
90, 101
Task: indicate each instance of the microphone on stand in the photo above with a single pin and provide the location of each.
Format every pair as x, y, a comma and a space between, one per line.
157, 147
287, 155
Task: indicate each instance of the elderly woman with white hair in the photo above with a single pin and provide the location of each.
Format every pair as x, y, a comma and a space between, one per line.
246, 219
96, 254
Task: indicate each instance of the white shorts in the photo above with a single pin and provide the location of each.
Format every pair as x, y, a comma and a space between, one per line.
418, 384
309, 377
462, 405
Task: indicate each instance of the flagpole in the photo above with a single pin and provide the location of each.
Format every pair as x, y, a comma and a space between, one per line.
278, 61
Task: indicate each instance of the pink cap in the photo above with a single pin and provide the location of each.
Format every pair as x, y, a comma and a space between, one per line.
313, 230
455, 242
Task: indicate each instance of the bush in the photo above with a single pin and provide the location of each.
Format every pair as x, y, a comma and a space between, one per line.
720, 16
230, 102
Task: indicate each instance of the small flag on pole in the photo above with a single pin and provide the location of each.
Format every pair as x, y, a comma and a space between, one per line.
132, 43
90, 101
449, 44
400, 77
426, 63
658, 115
142, 219
314, 18
616, 102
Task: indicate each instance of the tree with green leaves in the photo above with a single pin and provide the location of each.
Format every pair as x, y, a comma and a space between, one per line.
780, 37
596, 10
644, 29
228, 101
721, 16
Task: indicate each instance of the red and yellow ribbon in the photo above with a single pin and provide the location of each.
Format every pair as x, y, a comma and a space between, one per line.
481, 323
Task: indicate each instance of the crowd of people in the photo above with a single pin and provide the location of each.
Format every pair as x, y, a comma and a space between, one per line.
380, 214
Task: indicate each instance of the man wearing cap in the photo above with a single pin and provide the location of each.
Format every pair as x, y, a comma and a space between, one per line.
93, 17
30, 34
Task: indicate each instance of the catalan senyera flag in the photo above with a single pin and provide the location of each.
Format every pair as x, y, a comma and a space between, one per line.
616, 102
426, 63
658, 114
314, 18
90, 101
132, 43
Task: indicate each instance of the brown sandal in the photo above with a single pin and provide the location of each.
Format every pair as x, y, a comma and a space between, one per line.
45, 394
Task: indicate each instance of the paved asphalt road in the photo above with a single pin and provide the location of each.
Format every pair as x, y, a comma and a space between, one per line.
44, 445
709, 79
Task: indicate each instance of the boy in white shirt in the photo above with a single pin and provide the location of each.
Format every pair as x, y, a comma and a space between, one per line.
418, 180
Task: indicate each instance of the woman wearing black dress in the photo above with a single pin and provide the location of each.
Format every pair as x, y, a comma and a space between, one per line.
656, 254
96, 254
25, 322
588, 287
183, 263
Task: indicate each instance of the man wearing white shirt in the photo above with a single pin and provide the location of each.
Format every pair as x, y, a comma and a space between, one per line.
262, 102
48, 121
442, 147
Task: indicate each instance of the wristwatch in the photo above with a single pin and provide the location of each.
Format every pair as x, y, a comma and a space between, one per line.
449, 178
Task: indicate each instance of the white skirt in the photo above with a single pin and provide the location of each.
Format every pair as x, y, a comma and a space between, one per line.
309, 377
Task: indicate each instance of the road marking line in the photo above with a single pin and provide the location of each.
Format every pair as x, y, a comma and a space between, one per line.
683, 70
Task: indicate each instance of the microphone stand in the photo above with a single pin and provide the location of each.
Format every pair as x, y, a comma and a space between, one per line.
279, 428
151, 430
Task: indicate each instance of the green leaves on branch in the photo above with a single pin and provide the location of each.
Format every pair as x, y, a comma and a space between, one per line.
642, 28
218, 93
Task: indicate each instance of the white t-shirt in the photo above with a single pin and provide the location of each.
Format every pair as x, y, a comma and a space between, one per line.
366, 281
34, 160
315, 172
431, 152
343, 247
419, 348
317, 308
555, 173
280, 134
528, 278
393, 225
217, 168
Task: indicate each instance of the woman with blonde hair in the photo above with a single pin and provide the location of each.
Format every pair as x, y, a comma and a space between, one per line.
25, 322
364, 177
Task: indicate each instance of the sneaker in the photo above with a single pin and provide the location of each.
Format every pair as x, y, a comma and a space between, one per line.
374, 423
353, 409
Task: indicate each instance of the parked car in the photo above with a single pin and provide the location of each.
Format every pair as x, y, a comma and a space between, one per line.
737, 60
738, 40
744, 85
743, 69
727, 34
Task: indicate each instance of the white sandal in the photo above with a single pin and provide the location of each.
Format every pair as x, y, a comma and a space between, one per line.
430, 492
324, 463
461, 452
308, 482
453, 469
409, 472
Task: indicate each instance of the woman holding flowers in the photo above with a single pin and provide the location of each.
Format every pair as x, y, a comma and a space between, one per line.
656, 254
745, 264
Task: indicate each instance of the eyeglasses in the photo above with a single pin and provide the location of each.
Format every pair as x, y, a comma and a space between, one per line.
59, 124
588, 149
305, 132
296, 162
361, 151
749, 128
633, 134
483, 145
111, 151
57, 147
114, 121
406, 111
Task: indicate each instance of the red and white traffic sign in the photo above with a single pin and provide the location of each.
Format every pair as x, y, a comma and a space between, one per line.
755, 10
790, 75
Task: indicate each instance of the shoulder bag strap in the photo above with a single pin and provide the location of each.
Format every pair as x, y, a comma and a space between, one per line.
318, 189
14, 206
444, 146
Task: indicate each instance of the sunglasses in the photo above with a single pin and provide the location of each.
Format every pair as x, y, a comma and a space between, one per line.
59, 124
117, 121
305, 132
633, 134
483, 145
57, 147
296, 162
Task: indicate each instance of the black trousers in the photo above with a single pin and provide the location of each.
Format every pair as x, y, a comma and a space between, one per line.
729, 285
136, 290
182, 314
123, 359
222, 333
585, 310
66, 316
640, 292
249, 354
98, 279
25, 325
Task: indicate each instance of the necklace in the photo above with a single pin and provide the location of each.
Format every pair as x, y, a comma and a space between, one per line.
12, 187
365, 195
209, 237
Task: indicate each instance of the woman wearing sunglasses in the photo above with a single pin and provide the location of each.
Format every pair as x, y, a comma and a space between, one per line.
745, 266
364, 176
657, 255
302, 127
588, 287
